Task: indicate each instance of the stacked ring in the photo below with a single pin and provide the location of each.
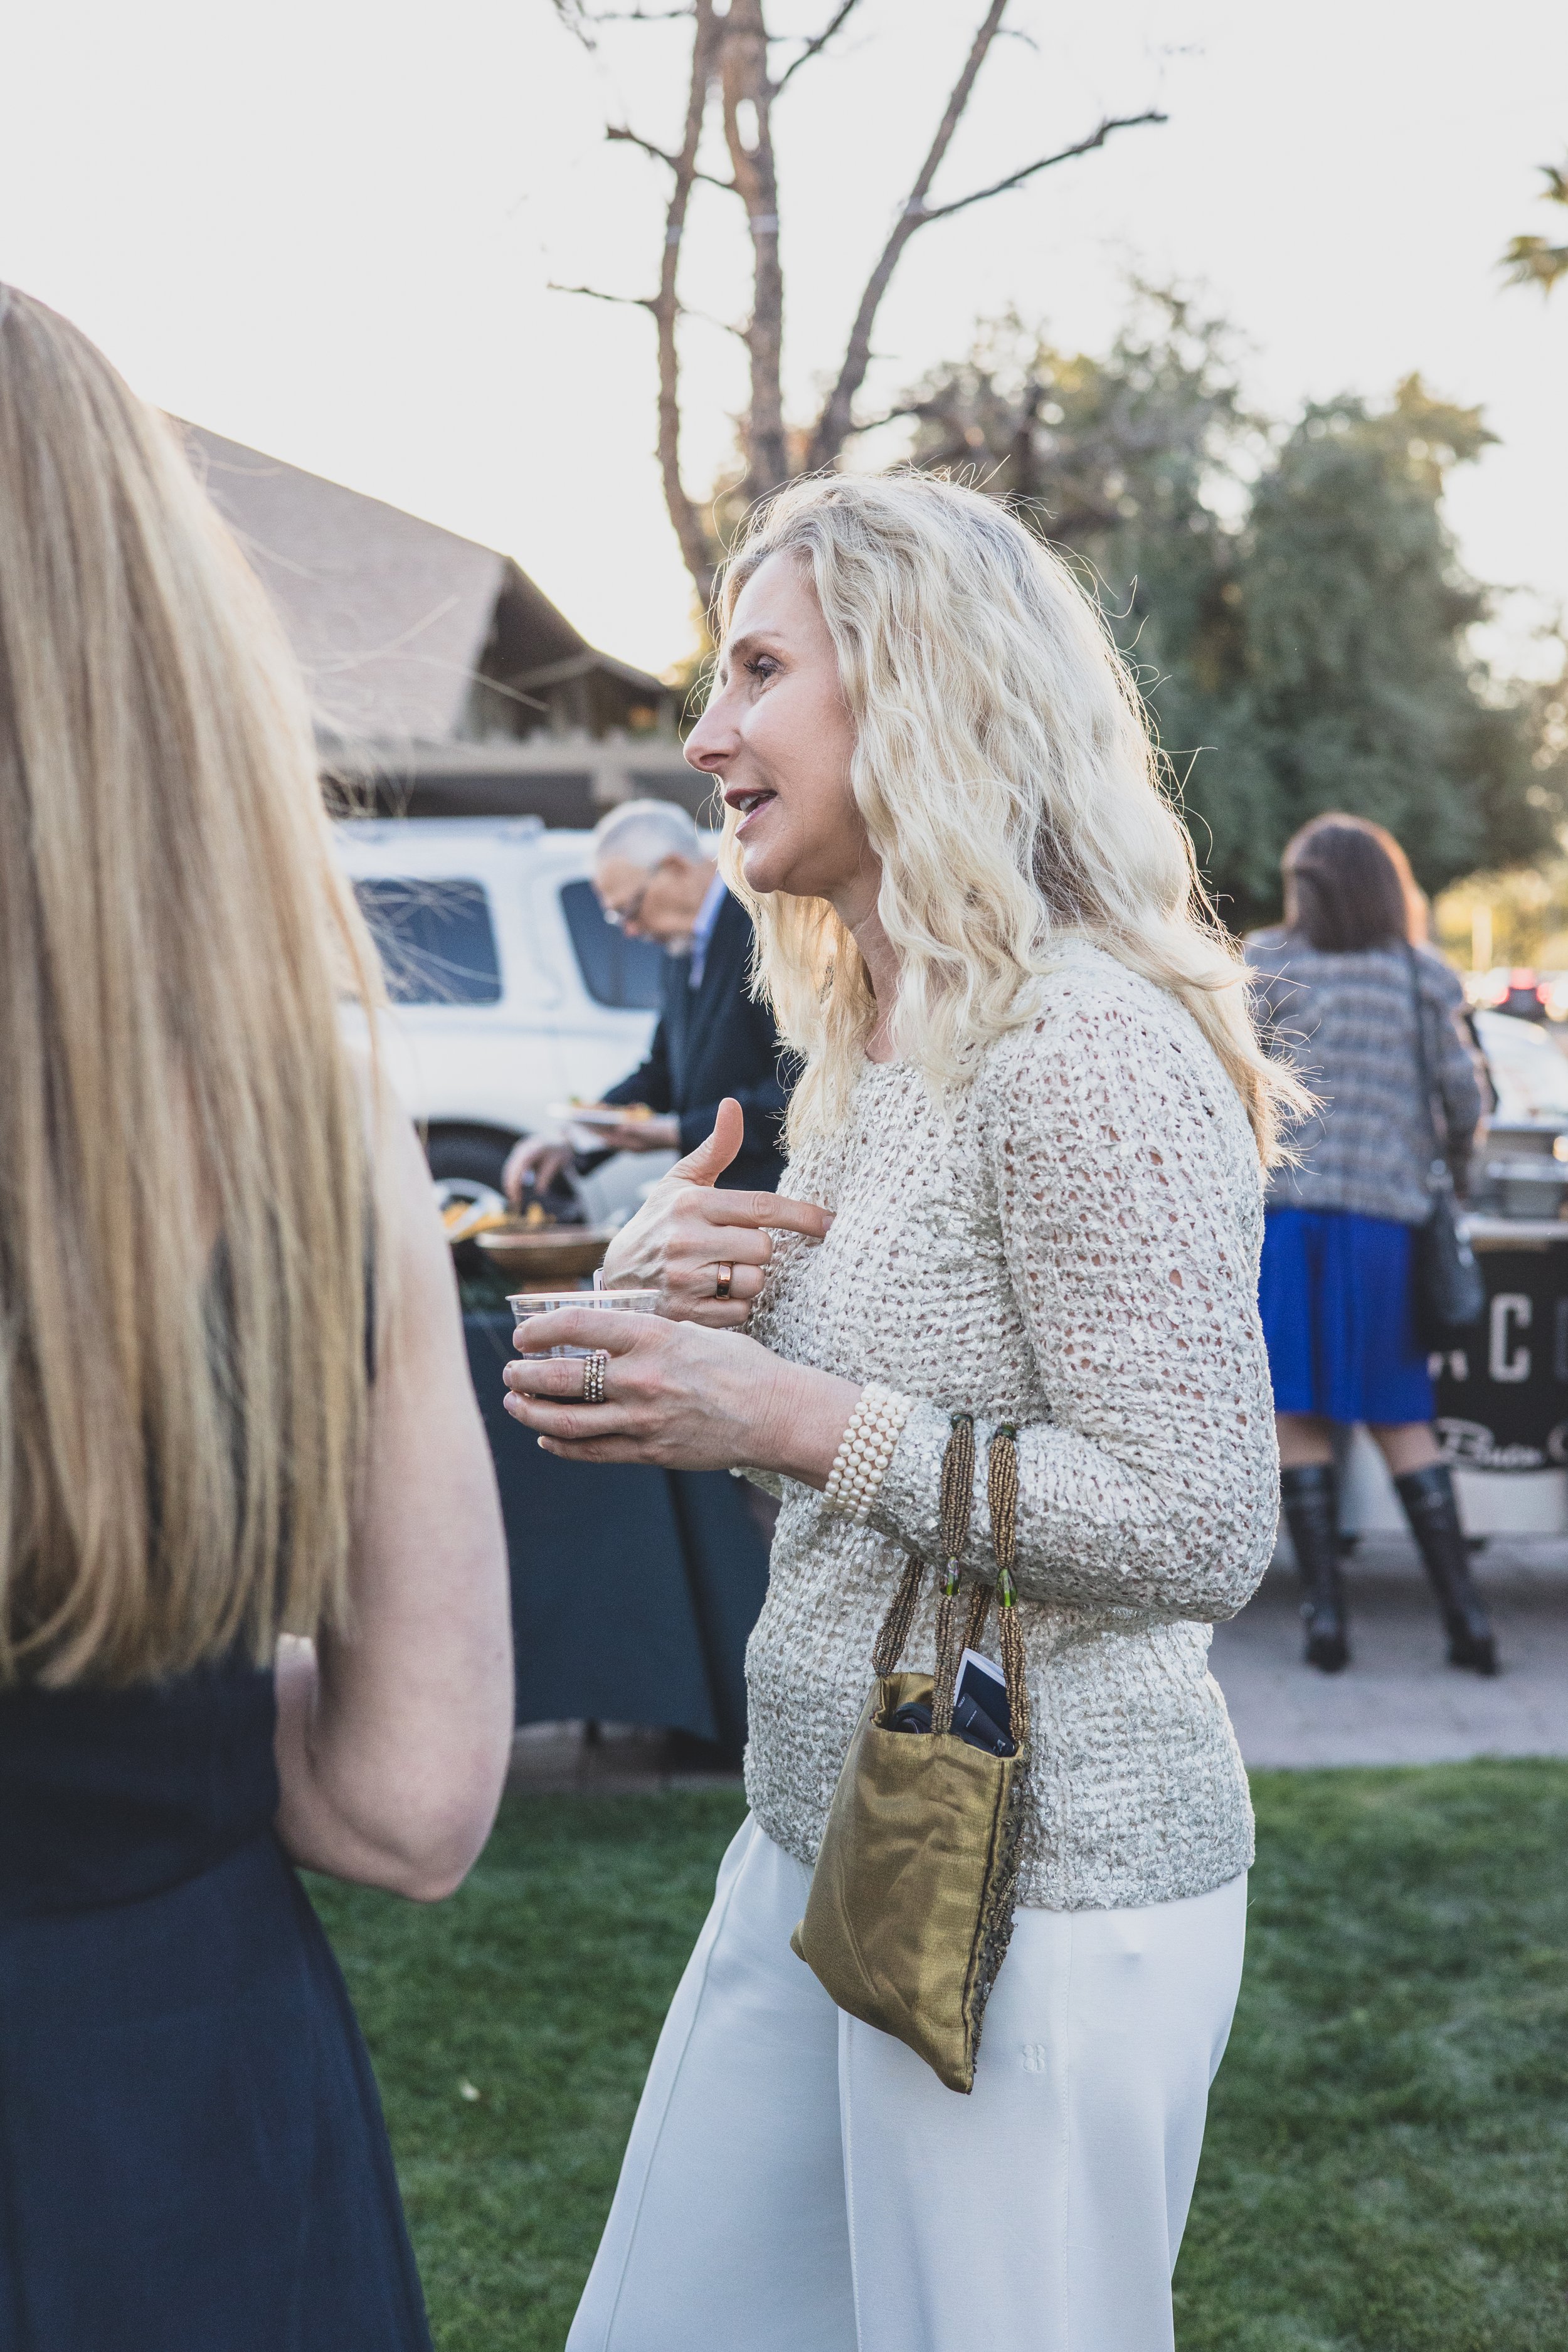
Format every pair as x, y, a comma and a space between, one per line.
595, 1365
726, 1276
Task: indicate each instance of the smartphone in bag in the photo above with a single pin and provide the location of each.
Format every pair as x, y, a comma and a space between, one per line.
981, 1716
985, 1684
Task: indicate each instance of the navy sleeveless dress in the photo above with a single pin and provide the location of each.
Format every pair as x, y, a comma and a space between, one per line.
192, 2151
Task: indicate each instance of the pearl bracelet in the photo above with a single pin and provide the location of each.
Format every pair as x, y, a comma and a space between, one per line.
865, 1451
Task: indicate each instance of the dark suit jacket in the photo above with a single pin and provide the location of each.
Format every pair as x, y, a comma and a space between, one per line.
711, 1041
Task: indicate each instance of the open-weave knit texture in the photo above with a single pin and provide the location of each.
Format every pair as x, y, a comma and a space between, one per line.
1072, 1247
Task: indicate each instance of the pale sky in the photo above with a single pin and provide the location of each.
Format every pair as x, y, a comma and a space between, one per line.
327, 229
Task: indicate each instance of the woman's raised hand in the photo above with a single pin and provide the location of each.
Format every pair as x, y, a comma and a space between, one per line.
688, 1236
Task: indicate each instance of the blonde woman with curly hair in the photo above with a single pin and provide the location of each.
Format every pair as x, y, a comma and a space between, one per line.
1024, 1184
253, 1606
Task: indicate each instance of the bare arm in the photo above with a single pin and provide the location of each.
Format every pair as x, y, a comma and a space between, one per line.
393, 1738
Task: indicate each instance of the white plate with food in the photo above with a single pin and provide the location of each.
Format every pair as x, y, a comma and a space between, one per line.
600, 1115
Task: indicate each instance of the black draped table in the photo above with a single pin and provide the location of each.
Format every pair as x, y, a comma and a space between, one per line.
633, 1591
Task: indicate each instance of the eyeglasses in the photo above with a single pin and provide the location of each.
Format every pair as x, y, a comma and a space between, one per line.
618, 918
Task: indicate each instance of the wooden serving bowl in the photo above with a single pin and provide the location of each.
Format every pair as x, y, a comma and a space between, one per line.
539, 1255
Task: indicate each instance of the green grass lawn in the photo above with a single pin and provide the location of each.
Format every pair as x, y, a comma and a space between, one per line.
1386, 2168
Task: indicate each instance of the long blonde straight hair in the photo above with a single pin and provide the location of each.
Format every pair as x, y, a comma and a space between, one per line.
185, 1216
1009, 785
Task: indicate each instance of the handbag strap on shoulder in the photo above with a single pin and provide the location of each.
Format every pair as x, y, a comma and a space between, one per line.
1436, 1152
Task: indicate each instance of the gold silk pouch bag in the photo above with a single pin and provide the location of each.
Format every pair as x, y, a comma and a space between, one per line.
910, 1907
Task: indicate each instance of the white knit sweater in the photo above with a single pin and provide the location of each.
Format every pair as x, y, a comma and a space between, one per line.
1073, 1249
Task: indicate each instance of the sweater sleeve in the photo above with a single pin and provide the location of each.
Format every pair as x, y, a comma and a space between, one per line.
1130, 1248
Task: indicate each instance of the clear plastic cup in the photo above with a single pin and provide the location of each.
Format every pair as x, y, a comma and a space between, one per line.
600, 1302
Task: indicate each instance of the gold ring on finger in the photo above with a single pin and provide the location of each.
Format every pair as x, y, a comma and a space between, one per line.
595, 1365
726, 1276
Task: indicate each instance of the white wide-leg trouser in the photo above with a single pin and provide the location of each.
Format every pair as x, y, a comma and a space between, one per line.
796, 2181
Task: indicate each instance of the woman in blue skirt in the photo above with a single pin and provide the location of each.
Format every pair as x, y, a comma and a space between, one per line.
1339, 994
253, 1605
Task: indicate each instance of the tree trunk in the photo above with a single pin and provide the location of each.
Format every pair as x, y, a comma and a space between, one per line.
695, 545
745, 77
837, 421
732, 49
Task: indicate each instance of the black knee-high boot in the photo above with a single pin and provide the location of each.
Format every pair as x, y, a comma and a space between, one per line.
1310, 1499
1434, 1515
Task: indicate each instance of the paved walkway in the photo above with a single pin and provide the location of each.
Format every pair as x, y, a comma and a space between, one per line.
1399, 1701
607, 1760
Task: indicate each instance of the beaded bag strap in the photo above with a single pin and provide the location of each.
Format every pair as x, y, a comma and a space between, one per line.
1002, 1492
957, 1503
957, 1494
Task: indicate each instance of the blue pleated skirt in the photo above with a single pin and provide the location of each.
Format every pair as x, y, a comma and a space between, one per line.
1334, 1292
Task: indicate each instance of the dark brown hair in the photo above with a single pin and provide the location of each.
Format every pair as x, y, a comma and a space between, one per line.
1348, 885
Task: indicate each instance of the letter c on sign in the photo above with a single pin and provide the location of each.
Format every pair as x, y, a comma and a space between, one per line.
1504, 1360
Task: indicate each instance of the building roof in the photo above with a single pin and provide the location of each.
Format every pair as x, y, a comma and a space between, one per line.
408, 634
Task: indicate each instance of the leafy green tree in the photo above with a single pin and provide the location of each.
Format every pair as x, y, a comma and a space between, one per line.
1138, 465
1292, 603
1534, 260
1356, 677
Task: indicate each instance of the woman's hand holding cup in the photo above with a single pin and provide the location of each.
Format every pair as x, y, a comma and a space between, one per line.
706, 1252
674, 1395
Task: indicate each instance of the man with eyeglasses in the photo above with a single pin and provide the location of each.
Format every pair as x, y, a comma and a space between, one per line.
654, 880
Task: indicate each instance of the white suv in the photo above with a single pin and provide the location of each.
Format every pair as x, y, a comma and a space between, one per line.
510, 991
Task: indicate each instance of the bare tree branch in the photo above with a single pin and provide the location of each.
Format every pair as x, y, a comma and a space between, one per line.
585, 22
1016, 179
662, 155
743, 79
732, 49
619, 130
816, 46
889, 417
833, 426
725, 326
695, 549
597, 294
574, 22
647, 302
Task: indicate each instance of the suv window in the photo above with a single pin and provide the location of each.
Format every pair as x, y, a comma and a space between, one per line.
627, 973
437, 943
